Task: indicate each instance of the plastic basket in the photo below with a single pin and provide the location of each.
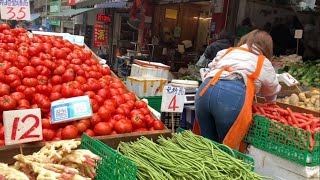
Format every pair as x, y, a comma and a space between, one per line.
234, 153
167, 119
113, 165
285, 141
154, 102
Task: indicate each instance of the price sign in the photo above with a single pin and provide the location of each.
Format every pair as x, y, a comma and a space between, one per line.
173, 99
70, 109
15, 10
21, 126
298, 33
288, 79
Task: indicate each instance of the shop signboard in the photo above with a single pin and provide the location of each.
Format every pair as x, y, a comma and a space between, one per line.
15, 10
103, 18
22, 126
55, 7
71, 2
100, 35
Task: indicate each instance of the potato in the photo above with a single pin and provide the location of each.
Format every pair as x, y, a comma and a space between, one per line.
302, 96
315, 92
294, 99
317, 104
308, 94
310, 105
314, 98
307, 101
300, 103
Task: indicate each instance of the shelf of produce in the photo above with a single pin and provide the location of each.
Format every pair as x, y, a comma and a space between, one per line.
293, 108
7, 152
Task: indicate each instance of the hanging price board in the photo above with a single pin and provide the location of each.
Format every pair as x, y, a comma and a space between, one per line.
15, 10
21, 126
173, 99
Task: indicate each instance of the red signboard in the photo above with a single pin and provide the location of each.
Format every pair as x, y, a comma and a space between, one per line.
104, 18
71, 2
100, 35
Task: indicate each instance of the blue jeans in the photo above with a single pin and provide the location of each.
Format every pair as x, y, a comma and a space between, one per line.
219, 107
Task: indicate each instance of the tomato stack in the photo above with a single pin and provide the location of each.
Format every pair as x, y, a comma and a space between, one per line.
36, 71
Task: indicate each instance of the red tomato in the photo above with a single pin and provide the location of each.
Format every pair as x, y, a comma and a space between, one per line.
56, 88
59, 70
55, 96
94, 105
69, 132
17, 96
118, 99
81, 79
114, 92
4, 89
103, 93
135, 111
48, 134
121, 111
105, 71
130, 104
44, 89
56, 79
149, 120
30, 82
158, 125
137, 121
90, 132
68, 76
13, 81
123, 126
122, 91
7, 103
42, 70
126, 106
128, 97
2, 143
82, 127
145, 111
29, 71
151, 129
67, 91
1, 133
117, 85
91, 94
24, 103
15, 71
109, 103
86, 121
78, 92
118, 117
46, 123
95, 119
104, 113
21, 62
36, 61
112, 121
42, 80
99, 99
140, 104
103, 128
4, 66
29, 92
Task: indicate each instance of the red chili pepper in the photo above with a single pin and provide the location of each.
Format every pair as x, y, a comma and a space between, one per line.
305, 124
292, 116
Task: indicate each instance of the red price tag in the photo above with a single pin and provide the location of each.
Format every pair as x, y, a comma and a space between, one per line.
289, 80
21, 126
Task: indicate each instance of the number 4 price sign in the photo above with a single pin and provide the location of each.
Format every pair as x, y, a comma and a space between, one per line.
173, 101
21, 126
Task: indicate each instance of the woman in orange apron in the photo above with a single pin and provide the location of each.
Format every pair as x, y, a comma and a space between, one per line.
224, 100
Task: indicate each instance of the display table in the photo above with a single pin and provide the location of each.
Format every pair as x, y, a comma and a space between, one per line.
267, 164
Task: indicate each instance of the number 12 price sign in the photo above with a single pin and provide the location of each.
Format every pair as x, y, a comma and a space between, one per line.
21, 126
172, 101
15, 9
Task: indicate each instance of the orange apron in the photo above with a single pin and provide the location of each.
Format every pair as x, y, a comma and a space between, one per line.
242, 123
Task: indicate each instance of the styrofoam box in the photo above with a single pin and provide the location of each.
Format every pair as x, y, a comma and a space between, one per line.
277, 168
146, 86
137, 71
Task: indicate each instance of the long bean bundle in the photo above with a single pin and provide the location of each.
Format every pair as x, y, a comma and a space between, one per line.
185, 156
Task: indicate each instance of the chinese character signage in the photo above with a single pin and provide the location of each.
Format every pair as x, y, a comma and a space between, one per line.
172, 99
100, 35
15, 9
104, 18
55, 8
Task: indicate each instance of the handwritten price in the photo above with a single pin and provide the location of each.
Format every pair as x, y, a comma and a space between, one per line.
22, 126
16, 13
172, 99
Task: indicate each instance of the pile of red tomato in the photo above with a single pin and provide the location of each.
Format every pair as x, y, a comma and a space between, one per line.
35, 71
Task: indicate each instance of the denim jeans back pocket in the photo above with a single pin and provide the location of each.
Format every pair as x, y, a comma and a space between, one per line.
229, 99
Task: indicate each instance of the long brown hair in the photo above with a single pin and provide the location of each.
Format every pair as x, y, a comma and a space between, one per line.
258, 40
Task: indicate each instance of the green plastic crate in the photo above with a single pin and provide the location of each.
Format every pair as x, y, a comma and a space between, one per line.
154, 102
285, 141
113, 165
234, 153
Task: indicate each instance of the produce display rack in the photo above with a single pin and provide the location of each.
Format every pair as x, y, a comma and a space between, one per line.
283, 140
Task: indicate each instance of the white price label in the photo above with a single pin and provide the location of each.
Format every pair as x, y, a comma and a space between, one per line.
288, 79
172, 99
298, 33
15, 10
21, 126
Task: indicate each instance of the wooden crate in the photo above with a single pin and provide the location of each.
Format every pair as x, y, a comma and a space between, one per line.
8, 152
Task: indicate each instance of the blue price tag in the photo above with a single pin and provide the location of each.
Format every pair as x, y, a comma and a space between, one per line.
71, 109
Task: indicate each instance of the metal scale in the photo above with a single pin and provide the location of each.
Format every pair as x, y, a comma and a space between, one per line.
191, 88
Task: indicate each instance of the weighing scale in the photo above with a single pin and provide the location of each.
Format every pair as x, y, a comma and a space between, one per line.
191, 88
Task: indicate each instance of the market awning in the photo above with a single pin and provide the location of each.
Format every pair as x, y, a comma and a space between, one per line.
112, 5
69, 13
89, 3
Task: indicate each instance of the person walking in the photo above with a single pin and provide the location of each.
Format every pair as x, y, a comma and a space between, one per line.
224, 100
